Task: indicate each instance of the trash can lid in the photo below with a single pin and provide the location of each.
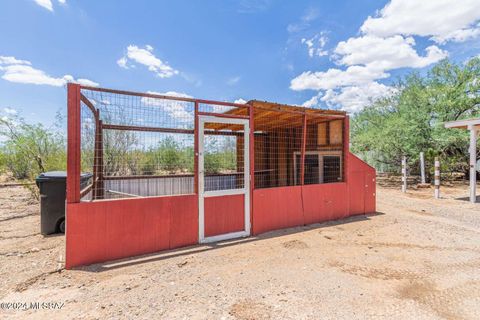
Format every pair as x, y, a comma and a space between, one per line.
59, 175
54, 174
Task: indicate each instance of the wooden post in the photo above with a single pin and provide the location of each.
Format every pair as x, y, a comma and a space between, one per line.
437, 178
346, 148
195, 149
73, 147
282, 157
96, 156
473, 163
251, 117
304, 142
101, 162
422, 167
404, 174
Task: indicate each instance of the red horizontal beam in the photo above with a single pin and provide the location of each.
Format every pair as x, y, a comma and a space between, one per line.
147, 177
159, 96
168, 176
223, 115
149, 129
309, 112
165, 130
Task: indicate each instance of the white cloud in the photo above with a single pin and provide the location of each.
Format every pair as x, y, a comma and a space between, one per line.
315, 45
22, 71
253, 6
459, 35
146, 57
178, 110
10, 111
443, 20
28, 74
86, 82
47, 4
354, 98
310, 15
386, 42
333, 78
122, 62
173, 94
312, 102
233, 80
386, 53
240, 101
12, 60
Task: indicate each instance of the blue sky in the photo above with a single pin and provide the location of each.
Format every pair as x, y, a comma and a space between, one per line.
330, 54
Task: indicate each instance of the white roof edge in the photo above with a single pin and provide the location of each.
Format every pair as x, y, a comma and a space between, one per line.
463, 123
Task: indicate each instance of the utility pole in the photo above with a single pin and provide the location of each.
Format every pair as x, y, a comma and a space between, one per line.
404, 174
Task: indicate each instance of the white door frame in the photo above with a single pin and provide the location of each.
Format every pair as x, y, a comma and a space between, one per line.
202, 194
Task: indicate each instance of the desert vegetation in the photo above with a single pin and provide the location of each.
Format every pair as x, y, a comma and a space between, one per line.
404, 124
411, 120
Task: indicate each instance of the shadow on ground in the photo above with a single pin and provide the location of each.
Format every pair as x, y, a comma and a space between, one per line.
467, 199
185, 251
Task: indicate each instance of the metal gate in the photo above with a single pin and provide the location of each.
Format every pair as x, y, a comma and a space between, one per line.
224, 184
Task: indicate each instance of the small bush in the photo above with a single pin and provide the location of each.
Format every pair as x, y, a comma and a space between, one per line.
30, 149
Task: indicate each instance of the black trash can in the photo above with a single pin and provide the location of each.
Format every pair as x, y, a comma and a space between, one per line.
53, 189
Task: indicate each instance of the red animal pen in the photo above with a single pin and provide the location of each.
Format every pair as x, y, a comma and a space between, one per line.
175, 171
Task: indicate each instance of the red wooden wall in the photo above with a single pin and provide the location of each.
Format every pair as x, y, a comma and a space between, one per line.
112, 229
277, 208
224, 214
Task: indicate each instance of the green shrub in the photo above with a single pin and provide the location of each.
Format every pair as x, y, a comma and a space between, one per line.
30, 149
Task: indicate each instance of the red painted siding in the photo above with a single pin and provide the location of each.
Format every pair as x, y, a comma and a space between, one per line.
370, 192
364, 183
277, 208
323, 202
357, 192
107, 230
224, 214
184, 221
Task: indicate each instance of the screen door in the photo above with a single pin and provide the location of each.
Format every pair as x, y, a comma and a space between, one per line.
224, 183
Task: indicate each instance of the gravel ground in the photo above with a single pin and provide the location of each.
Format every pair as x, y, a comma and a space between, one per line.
417, 258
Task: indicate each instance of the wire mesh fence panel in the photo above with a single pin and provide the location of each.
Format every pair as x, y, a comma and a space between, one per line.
145, 111
280, 141
144, 145
323, 150
138, 145
227, 109
278, 136
87, 146
223, 157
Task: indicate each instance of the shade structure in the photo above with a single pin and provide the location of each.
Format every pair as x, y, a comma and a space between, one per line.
472, 125
170, 171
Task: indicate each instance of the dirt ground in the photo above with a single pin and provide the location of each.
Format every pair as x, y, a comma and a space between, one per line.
417, 258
